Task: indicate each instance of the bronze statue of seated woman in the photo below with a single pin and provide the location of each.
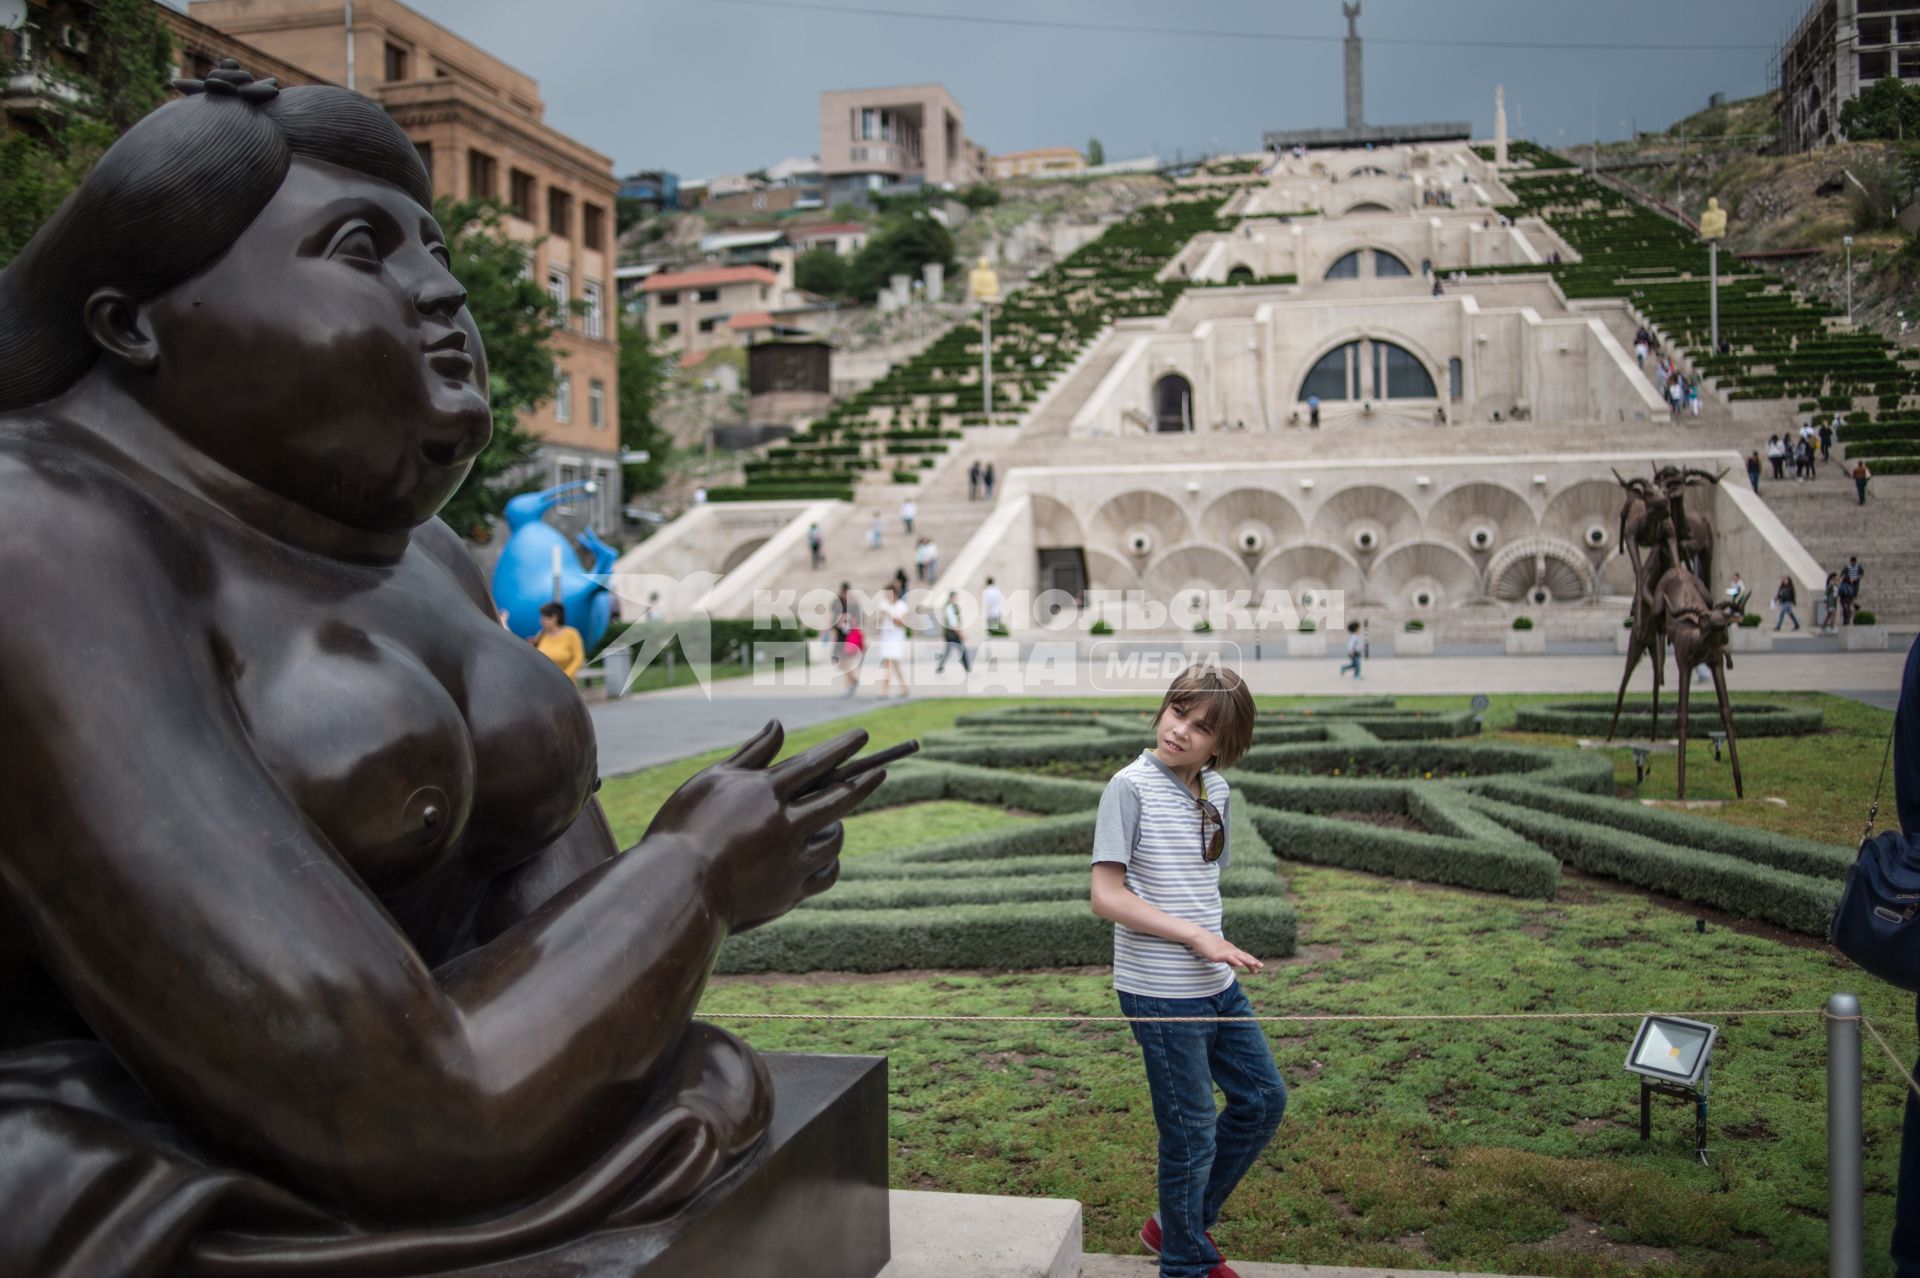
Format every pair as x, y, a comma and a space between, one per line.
316, 955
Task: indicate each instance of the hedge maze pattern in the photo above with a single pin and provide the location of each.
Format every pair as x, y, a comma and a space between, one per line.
1362, 785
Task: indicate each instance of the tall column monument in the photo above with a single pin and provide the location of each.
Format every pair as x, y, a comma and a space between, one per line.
1356, 113
1500, 126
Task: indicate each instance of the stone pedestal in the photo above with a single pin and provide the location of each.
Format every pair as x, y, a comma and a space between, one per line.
1527, 642
1749, 639
812, 1203
1413, 643
1306, 643
1863, 638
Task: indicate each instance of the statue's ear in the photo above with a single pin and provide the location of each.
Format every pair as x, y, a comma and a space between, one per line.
119, 325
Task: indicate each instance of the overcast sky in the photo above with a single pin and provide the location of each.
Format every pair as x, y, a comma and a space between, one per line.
712, 86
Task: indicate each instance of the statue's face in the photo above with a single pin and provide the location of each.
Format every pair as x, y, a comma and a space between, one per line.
328, 355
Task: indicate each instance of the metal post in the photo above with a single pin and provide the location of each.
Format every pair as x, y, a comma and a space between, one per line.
986, 357
1845, 1248
1713, 292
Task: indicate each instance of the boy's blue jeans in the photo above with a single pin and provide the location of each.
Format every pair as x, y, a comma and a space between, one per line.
1203, 1155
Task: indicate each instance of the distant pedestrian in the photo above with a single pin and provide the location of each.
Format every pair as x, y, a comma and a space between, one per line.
1849, 595
950, 635
1826, 442
900, 582
1313, 412
1356, 646
891, 647
1753, 469
1860, 477
995, 605
920, 559
874, 532
1783, 600
1854, 574
973, 480
933, 560
908, 510
986, 481
1776, 455
813, 546
1693, 398
1828, 607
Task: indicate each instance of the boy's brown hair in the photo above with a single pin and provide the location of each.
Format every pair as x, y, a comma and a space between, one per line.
1225, 704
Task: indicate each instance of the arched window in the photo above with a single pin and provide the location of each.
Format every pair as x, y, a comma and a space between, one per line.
1369, 206
1239, 273
1368, 170
1385, 263
1347, 268
1368, 369
1173, 403
1456, 382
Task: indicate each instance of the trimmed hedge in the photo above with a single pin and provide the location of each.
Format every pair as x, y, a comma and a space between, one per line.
1590, 718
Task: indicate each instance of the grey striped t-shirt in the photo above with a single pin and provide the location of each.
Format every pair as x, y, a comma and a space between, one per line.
1150, 823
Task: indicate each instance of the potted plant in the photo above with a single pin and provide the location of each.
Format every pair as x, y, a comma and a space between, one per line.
1523, 638
1100, 626
1748, 636
1308, 640
1865, 634
1414, 640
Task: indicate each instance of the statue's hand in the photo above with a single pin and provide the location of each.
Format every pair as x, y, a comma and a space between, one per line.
771, 842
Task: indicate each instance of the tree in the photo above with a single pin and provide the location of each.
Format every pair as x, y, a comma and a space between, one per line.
901, 246
627, 213
516, 319
643, 380
1887, 111
981, 195
822, 271
130, 56
1096, 154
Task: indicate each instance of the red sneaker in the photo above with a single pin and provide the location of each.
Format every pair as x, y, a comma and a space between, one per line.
1150, 1239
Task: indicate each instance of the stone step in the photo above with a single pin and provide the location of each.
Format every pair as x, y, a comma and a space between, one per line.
982, 1236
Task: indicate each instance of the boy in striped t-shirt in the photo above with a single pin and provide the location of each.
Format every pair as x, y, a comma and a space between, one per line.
1158, 849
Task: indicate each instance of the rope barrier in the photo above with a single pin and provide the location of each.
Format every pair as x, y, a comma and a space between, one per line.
1296, 1018
1900, 1066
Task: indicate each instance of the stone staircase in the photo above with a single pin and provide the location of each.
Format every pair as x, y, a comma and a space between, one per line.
1824, 514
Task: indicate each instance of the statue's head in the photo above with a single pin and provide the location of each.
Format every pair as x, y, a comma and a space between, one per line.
261, 270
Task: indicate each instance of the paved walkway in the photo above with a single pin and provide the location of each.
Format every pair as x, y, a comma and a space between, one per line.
658, 727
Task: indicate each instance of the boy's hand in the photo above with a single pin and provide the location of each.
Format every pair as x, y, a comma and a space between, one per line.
1218, 949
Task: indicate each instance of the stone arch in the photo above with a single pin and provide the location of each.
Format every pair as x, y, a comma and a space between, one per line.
1433, 368
1173, 403
1442, 572
1238, 272
1540, 562
1309, 567
1364, 206
1368, 170
1481, 516
1350, 254
1364, 520
1197, 564
1582, 508
739, 554
1131, 515
1054, 523
1268, 517
1108, 571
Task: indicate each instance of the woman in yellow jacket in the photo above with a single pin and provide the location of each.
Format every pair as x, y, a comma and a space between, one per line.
558, 640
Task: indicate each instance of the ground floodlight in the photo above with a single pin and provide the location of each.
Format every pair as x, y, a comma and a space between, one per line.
1670, 1054
1671, 1049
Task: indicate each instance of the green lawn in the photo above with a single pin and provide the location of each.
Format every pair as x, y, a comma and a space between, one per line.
1501, 1147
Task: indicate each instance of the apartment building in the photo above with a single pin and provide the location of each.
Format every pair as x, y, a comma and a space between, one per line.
1046, 161
481, 130
885, 139
1839, 49
688, 311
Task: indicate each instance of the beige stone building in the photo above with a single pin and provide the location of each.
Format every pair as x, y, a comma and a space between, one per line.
481, 129
688, 311
1046, 161
873, 139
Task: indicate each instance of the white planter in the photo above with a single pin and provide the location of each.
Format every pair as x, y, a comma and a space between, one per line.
1413, 643
1530, 642
1863, 638
1751, 639
1312, 643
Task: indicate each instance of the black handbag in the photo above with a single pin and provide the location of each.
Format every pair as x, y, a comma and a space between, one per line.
1877, 923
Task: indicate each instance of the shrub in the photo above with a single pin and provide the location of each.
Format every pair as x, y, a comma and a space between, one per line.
1308, 625
1864, 617
1415, 626
1590, 719
1202, 626
1523, 623
1750, 621
1100, 626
